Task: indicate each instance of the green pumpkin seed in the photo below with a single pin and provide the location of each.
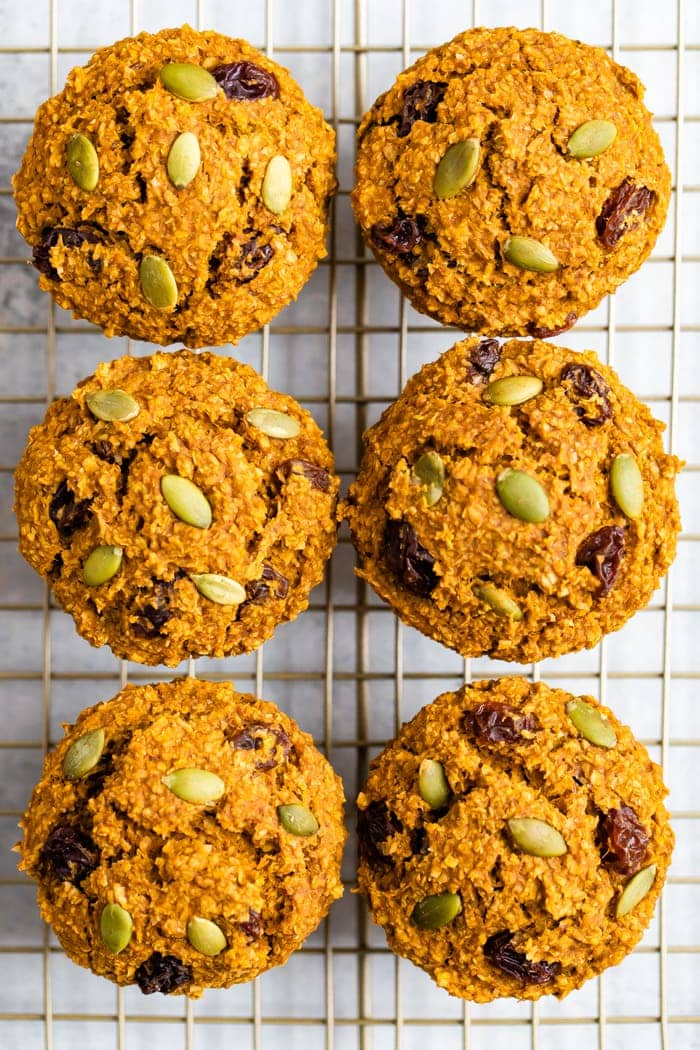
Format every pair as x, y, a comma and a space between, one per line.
186, 501
205, 936
529, 254
101, 565
183, 160
522, 496
591, 723
297, 820
277, 185
82, 162
193, 83
457, 169
219, 589
116, 927
83, 755
432, 783
591, 139
197, 786
627, 485
536, 837
513, 390
112, 406
436, 910
635, 890
499, 601
274, 424
158, 283
429, 471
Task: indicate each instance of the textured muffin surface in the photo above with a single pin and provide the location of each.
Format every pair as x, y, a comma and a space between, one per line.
449, 557
234, 261
119, 835
520, 95
85, 483
521, 924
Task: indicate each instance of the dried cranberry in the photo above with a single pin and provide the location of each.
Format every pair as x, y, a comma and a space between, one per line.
69, 854
375, 825
408, 559
495, 723
246, 82
253, 926
585, 384
71, 237
67, 514
162, 973
157, 612
252, 738
499, 950
622, 840
544, 333
420, 102
624, 204
254, 257
602, 553
318, 476
400, 236
484, 358
257, 590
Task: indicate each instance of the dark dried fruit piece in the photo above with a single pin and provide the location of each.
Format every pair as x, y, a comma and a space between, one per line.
408, 559
103, 450
156, 613
318, 476
258, 590
252, 927
162, 973
254, 257
71, 237
623, 840
420, 102
67, 514
499, 950
484, 358
400, 236
496, 723
245, 81
602, 552
587, 385
419, 841
544, 333
257, 736
625, 204
69, 854
375, 825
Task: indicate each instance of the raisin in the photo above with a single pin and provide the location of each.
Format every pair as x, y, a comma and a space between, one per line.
622, 840
157, 612
254, 257
318, 476
69, 854
253, 926
484, 358
246, 82
252, 738
419, 842
495, 723
67, 514
420, 102
544, 333
602, 553
162, 973
71, 237
375, 825
260, 589
56, 566
408, 559
626, 203
499, 950
587, 385
400, 236
103, 450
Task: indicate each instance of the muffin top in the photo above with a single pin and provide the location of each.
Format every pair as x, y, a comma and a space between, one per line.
515, 501
177, 189
509, 179
205, 822
513, 840
177, 506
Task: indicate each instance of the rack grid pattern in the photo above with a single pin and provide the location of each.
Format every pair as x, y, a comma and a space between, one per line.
347, 669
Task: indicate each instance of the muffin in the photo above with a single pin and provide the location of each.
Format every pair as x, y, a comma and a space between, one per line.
509, 180
177, 189
184, 836
513, 840
177, 506
515, 501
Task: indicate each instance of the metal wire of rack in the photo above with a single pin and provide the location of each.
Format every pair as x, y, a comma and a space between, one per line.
347, 669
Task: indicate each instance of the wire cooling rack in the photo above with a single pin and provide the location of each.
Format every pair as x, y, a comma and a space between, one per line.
346, 669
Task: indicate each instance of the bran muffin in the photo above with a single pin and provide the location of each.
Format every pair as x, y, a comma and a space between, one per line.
510, 179
177, 506
515, 501
513, 840
184, 836
177, 189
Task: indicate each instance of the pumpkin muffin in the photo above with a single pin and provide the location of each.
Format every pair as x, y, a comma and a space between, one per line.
177, 189
513, 840
177, 506
510, 179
